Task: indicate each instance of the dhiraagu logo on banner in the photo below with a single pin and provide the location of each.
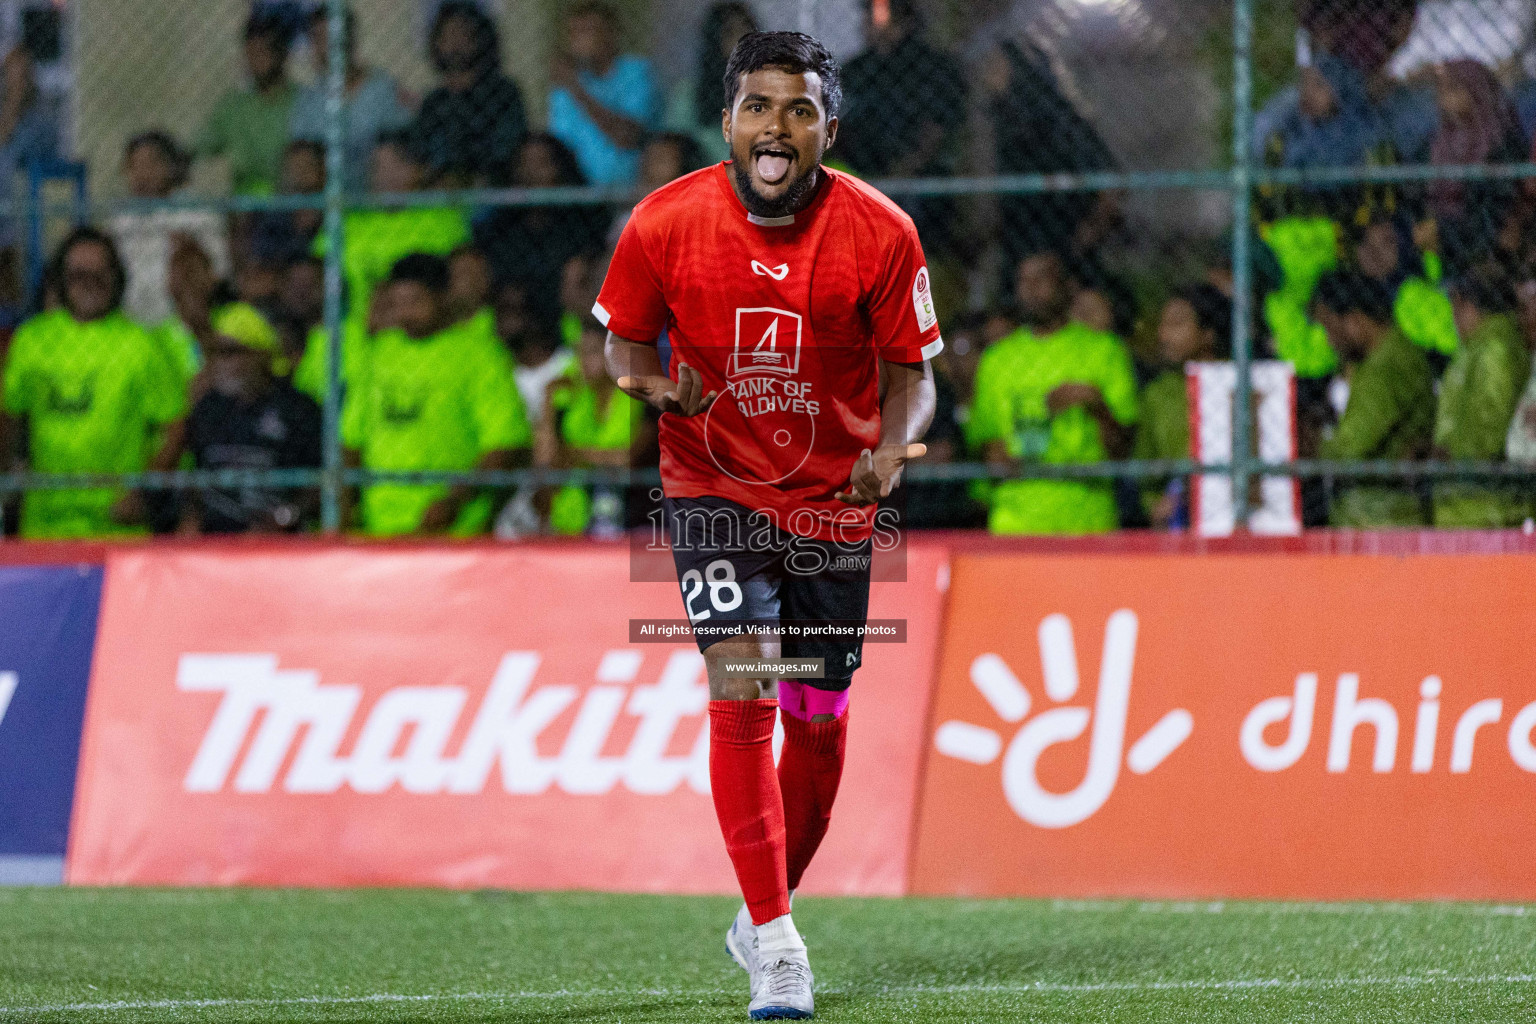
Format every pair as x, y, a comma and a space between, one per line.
1233, 726
1010, 699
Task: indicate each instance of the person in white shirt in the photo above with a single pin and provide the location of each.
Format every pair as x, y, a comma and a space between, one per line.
156, 168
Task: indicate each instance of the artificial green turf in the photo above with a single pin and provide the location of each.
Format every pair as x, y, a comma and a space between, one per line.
408, 955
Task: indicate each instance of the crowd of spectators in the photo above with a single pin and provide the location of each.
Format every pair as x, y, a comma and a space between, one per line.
185, 338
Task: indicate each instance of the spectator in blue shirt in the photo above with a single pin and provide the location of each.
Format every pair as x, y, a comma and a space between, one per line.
602, 102
372, 104
1364, 37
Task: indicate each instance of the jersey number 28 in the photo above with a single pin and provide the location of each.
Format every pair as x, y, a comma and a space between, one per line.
724, 592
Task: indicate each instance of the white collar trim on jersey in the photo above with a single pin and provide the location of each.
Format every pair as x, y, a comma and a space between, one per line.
771, 222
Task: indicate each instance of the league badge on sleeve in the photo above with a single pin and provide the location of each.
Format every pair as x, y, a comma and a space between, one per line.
922, 301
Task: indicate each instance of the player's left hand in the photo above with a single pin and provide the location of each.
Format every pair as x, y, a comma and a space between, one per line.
877, 472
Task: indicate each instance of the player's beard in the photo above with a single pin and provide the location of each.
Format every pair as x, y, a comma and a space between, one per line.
795, 196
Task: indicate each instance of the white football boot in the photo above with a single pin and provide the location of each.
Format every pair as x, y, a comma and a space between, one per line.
781, 987
741, 937
741, 941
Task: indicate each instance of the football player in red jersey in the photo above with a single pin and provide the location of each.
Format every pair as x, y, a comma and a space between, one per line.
798, 311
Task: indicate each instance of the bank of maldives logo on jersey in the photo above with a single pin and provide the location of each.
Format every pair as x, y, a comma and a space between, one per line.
766, 432
767, 341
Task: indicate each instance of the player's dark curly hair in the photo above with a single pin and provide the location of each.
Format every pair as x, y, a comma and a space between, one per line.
794, 52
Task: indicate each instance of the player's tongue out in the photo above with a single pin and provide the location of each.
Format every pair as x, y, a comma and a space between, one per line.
772, 167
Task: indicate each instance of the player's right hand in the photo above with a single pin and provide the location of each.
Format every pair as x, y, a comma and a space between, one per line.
685, 397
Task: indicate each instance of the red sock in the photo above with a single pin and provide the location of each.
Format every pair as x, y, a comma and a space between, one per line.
747, 801
810, 768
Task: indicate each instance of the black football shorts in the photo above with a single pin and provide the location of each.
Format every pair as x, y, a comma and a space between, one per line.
737, 568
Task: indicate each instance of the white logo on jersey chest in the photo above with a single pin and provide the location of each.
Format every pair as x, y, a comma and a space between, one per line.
767, 341
778, 273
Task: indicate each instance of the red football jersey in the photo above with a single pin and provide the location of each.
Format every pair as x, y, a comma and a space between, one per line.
787, 318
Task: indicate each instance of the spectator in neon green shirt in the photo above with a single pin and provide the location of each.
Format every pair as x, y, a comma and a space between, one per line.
432, 397
377, 239
250, 127
588, 422
1305, 248
1391, 408
1054, 392
1478, 395
96, 391
1196, 325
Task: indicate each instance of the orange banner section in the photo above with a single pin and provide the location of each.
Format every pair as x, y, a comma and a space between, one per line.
1234, 726
438, 716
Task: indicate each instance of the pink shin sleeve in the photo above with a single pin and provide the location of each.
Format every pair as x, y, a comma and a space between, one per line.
806, 702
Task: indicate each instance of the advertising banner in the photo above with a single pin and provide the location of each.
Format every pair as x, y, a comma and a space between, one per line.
1234, 726
49, 616
439, 716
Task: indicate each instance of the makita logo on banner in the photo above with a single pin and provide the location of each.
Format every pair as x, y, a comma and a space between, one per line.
410, 736
441, 715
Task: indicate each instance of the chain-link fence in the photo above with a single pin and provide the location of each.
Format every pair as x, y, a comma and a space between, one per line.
278, 266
